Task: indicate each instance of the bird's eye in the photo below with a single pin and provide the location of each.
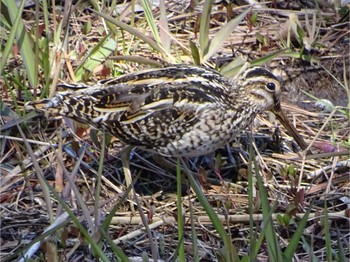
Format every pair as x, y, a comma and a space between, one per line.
271, 86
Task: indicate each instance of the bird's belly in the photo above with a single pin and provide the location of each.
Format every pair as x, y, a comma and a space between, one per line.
206, 137
190, 148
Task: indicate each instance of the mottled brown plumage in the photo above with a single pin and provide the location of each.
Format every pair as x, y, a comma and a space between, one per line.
176, 110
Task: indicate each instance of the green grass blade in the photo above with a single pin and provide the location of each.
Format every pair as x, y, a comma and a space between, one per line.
222, 35
97, 55
341, 257
195, 53
327, 234
204, 27
24, 41
194, 235
150, 20
11, 38
107, 221
17, 85
252, 233
180, 220
232, 68
213, 217
275, 253
131, 30
116, 249
258, 241
293, 244
281, 53
45, 58
98, 183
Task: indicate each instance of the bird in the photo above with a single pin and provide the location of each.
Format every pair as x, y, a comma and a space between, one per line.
177, 110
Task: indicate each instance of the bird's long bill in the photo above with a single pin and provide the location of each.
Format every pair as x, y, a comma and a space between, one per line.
290, 128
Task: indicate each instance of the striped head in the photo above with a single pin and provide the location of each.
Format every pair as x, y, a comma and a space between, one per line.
260, 89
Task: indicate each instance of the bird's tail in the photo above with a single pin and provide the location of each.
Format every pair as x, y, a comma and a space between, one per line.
51, 105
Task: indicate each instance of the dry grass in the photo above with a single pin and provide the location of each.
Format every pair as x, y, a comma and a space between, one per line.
295, 181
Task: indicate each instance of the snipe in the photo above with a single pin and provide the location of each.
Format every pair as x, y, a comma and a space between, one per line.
175, 111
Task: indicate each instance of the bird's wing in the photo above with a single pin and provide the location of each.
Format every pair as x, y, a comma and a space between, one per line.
132, 97
144, 112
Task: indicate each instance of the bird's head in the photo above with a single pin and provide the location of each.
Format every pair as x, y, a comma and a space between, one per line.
261, 88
